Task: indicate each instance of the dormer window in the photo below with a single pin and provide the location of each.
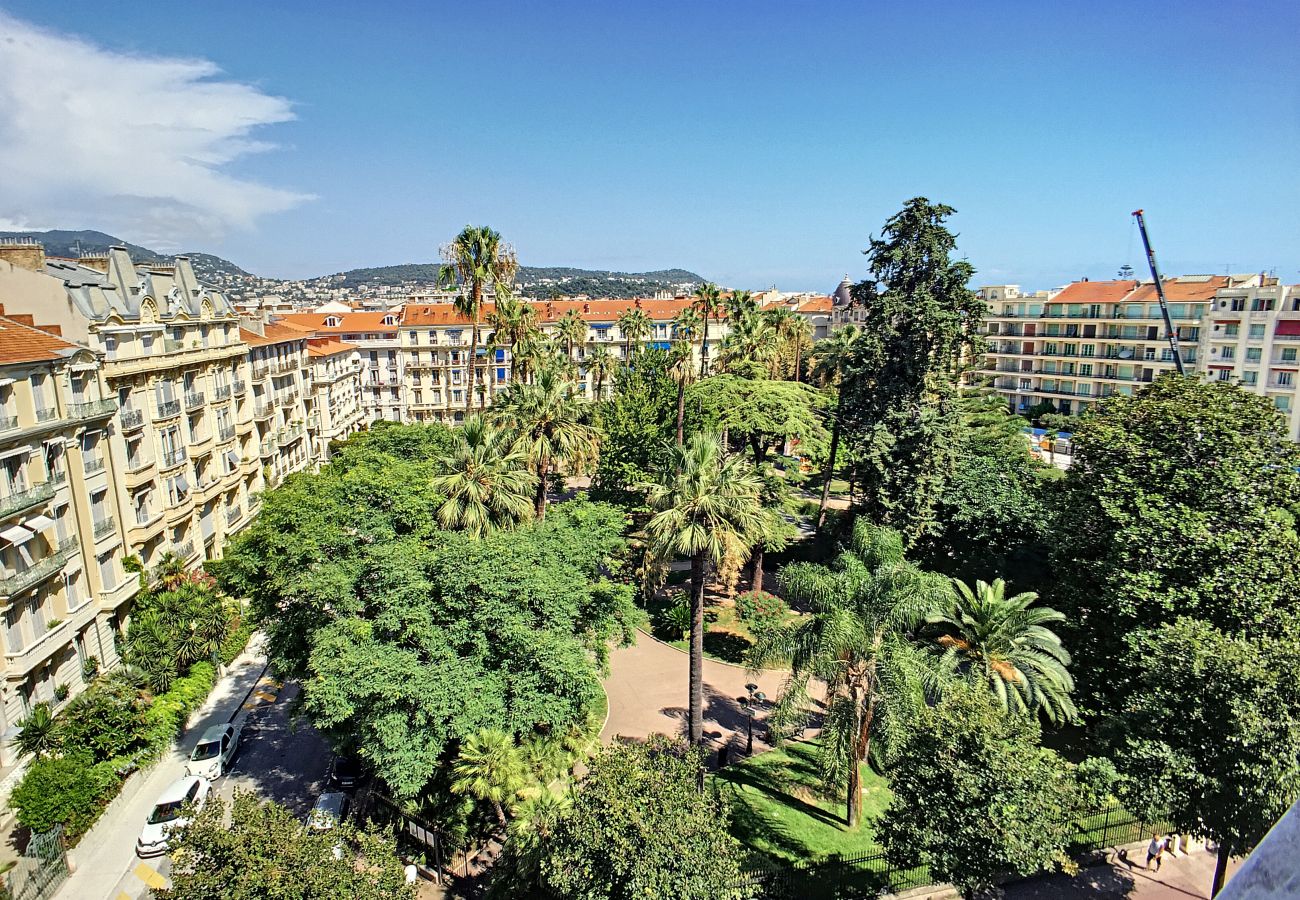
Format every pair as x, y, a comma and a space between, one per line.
389, 320
333, 321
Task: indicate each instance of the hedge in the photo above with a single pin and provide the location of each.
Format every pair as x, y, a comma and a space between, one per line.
72, 790
166, 716
236, 641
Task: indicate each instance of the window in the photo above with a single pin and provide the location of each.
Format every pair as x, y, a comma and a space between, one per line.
1253, 354
36, 609
1087, 349
14, 629
99, 506
1282, 403
1232, 330
333, 321
1250, 378
1224, 374
108, 570
1285, 379
1226, 353
1238, 304
15, 473
1256, 332
1260, 304
1085, 369
1288, 354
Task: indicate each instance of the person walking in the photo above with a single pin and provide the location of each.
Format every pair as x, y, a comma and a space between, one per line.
1155, 850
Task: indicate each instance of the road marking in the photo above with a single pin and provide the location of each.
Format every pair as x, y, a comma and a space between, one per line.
264, 696
149, 875
122, 895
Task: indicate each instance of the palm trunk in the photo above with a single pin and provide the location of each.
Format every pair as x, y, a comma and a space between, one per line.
695, 711
600, 384
704, 344
473, 367
830, 462
798, 359
1221, 868
861, 748
681, 407
756, 568
501, 813
539, 504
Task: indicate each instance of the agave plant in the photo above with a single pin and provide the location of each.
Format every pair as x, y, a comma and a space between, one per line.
40, 733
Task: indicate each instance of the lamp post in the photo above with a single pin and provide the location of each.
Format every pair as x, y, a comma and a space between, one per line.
755, 697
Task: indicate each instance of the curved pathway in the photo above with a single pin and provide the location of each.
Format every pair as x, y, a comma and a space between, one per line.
647, 688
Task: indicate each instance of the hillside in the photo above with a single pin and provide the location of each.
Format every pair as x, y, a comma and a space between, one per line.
73, 243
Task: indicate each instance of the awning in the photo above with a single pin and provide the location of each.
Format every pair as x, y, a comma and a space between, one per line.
17, 534
1287, 326
662, 345
39, 523
233, 458
182, 484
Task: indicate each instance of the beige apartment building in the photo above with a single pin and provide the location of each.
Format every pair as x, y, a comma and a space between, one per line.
333, 394
374, 334
63, 587
278, 367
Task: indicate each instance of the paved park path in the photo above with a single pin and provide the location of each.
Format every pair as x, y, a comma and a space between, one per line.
647, 688
1180, 878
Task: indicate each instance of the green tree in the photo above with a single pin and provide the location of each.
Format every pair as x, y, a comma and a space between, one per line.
179, 618
855, 642
682, 371
1209, 734
1004, 644
750, 348
69, 790
763, 413
708, 303
833, 359
919, 320
486, 481
638, 827
794, 333
1179, 502
513, 322
635, 326
708, 508
39, 732
602, 365
974, 797
547, 422
572, 330
490, 768
265, 852
475, 262
636, 424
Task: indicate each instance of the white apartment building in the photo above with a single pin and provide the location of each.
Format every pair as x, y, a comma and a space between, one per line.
277, 358
333, 394
374, 334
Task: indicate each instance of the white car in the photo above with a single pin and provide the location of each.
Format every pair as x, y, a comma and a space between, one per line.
214, 751
168, 813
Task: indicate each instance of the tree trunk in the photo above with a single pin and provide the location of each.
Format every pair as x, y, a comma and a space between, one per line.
539, 503
830, 463
756, 568
759, 450
600, 384
861, 748
473, 367
798, 358
704, 343
501, 813
695, 712
681, 407
1221, 868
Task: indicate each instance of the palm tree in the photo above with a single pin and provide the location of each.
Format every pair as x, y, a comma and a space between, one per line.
740, 305
572, 330
708, 508
749, 349
686, 327
39, 733
634, 325
490, 767
602, 365
681, 370
476, 261
832, 360
708, 303
793, 331
511, 321
855, 642
487, 482
1005, 644
546, 418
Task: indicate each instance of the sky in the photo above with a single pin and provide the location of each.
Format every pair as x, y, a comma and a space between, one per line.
757, 143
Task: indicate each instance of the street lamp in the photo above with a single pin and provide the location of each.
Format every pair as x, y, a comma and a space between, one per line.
755, 698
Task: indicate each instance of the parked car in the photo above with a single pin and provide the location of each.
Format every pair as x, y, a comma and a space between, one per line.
328, 812
169, 813
345, 772
214, 752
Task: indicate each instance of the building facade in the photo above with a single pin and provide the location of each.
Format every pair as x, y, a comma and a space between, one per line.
278, 367
63, 586
333, 393
375, 336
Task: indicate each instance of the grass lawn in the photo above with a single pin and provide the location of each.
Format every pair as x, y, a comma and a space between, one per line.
778, 809
727, 638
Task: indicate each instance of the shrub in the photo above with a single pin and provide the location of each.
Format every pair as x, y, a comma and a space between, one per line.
105, 720
69, 790
759, 606
676, 620
90, 668
61, 692
40, 733
166, 716
236, 641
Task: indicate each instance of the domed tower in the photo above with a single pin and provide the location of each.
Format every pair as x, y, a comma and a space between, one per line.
844, 293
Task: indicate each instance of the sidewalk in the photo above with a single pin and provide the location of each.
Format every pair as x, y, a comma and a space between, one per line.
107, 852
1180, 878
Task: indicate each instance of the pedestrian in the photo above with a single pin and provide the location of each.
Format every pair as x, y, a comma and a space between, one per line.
1155, 850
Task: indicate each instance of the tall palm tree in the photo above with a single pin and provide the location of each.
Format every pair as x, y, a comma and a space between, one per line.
681, 370
546, 419
750, 348
490, 767
476, 262
794, 333
488, 484
511, 321
855, 642
708, 508
740, 304
833, 358
708, 303
602, 365
572, 330
635, 326
686, 327
1005, 644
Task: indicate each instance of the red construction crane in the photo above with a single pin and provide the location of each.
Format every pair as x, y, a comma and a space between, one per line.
1170, 334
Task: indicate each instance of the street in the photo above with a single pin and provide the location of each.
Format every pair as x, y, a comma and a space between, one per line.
277, 759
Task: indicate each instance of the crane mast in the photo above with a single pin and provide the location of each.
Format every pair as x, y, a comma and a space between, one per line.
1170, 334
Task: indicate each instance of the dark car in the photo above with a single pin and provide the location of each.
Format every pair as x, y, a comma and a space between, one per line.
345, 771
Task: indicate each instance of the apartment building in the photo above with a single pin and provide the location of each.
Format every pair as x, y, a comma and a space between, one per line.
174, 362
1092, 339
375, 336
278, 363
63, 587
333, 394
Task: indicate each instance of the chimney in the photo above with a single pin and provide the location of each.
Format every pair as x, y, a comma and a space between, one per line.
638, 302
94, 259
586, 307
23, 253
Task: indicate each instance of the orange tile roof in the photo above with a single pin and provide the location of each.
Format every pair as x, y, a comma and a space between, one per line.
22, 343
330, 346
426, 314
275, 334
350, 323
1177, 289
1094, 292
818, 304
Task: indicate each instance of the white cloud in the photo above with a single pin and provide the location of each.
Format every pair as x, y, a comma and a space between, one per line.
136, 145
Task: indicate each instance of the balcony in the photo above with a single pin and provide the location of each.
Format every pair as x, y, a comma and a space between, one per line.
194, 400
32, 576
234, 514
8, 422
268, 448
168, 409
222, 392
287, 398
46, 415
288, 435
21, 501
92, 409
131, 419
313, 422
226, 433
240, 387
104, 527
185, 550
263, 411
69, 545
172, 458
93, 464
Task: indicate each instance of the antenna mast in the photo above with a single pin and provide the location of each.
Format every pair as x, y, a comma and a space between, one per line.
1170, 334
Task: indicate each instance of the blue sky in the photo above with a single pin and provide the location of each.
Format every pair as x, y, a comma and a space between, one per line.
754, 143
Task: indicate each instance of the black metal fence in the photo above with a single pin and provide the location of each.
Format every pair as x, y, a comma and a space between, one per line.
870, 874
40, 870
